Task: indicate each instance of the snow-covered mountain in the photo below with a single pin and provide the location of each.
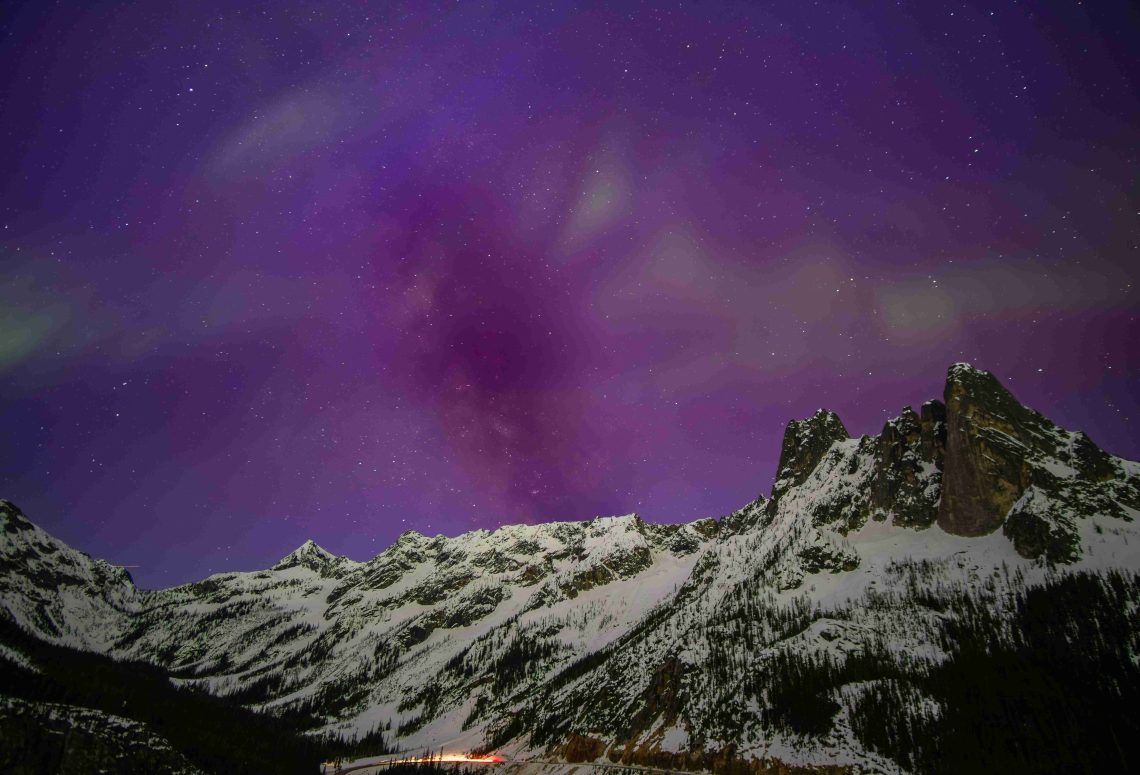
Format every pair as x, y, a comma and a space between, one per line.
781, 633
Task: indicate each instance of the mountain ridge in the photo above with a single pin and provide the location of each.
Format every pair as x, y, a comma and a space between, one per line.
543, 638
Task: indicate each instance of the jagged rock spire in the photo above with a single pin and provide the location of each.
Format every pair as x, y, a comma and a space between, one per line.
805, 443
903, 483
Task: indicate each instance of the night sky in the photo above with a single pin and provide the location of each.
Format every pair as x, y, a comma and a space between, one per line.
281, 270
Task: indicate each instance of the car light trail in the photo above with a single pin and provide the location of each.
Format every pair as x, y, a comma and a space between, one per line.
447, 758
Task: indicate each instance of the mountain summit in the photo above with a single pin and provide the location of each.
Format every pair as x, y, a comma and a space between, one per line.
834, 623
310, 555
1009, 467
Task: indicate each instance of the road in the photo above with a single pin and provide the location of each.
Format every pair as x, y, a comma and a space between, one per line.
512, 764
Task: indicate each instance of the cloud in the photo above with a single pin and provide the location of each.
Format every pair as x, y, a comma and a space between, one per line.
295, 123
31, 316
940, 301
604, 200
22, 331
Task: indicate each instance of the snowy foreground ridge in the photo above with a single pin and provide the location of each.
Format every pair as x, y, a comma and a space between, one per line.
684, 646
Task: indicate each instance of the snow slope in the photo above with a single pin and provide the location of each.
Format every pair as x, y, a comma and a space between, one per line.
638, 639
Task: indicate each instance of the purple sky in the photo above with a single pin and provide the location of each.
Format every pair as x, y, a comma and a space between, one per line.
283, 270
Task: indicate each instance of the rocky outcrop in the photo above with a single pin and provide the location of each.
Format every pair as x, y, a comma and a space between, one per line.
840, 482
579, 748
824, 557
1007, 466
805, 443
744, 518
989, 436
933, 436
1091, 462
978, 463
908, 466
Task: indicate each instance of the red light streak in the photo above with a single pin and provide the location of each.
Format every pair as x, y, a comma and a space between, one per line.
447, 758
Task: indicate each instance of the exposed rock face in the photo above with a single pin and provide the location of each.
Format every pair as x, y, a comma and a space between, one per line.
805, 443
579, 748
979, 462
907, 479
1008, 466
897, 474
1091, 461
988, 437
933, 420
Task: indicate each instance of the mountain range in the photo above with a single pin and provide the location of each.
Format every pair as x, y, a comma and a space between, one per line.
957, 593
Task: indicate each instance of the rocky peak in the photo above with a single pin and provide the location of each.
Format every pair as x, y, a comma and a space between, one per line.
906, 481
973, 393
56, 591
805, 443
932, 418
904, 430
628, 523
309, 555
410, 537
989, 436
